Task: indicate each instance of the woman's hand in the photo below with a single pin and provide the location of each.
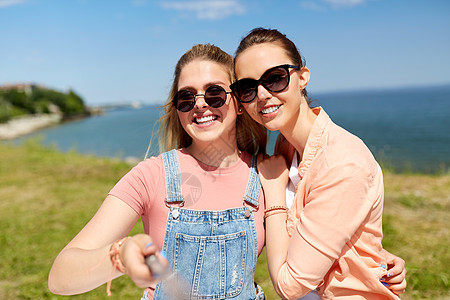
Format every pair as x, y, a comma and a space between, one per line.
396, 277
133, 253
274, 176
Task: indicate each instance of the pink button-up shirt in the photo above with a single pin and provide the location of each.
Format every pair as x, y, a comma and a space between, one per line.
335, 221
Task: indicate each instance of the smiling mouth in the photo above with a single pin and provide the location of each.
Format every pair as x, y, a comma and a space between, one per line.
205, 120
270, 109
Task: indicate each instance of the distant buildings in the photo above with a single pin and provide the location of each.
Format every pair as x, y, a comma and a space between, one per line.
26, 87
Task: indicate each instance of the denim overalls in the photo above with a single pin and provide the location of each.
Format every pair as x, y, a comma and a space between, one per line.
215, 252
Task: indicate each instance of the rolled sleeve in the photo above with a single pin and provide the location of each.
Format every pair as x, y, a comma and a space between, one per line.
336, 207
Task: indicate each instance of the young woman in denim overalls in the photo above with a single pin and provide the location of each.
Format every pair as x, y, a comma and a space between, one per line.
215, 252
212, 241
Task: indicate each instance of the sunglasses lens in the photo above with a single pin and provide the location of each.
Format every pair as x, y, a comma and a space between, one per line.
245, 90
215, 96
276, 79
184, 100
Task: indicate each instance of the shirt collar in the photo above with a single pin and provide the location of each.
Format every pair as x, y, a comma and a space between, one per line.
315, 140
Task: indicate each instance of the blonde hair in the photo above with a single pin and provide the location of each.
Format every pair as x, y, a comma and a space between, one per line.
250, 136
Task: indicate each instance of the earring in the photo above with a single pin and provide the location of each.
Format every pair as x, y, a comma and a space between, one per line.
241, 109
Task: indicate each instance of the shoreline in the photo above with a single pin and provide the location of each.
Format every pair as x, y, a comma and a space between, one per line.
23, 125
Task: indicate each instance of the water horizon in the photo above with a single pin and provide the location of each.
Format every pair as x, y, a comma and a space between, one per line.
407, 129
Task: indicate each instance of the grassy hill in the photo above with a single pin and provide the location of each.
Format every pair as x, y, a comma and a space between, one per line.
48, 196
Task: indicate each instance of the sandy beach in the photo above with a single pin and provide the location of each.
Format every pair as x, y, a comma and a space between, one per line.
27, 124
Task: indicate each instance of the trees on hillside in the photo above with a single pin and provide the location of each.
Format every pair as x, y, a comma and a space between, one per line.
32, 99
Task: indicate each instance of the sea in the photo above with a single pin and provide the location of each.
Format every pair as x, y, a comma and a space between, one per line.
407, 130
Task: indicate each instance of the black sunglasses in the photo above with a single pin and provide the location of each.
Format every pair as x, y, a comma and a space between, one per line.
274, 79
215, 96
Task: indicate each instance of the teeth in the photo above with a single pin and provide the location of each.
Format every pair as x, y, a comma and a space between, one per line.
205, 119
270, 109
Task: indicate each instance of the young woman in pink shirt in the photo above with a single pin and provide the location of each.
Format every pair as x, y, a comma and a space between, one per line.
330, 238
201, 203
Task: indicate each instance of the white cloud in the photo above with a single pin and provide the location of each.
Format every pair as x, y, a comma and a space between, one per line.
6, 3
311, 5
338, 3
207, 10
139, 2
320, 5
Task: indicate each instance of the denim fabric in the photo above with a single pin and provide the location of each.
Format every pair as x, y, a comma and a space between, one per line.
215, 252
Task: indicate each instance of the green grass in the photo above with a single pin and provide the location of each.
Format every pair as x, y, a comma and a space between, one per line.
48, 196
416, 227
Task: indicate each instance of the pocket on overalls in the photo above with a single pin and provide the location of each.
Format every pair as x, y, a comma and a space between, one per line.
213, 265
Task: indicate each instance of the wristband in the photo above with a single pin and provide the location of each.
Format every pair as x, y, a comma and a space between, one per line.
114, 254
276, 212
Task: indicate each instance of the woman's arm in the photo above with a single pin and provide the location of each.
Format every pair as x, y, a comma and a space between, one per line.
328, 222
396, 278
274, 176
85, 264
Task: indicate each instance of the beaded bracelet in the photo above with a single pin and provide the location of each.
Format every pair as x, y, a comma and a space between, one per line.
276, 207
275, 210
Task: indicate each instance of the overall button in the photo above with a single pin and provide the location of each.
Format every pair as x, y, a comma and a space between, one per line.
175, 213
247, 213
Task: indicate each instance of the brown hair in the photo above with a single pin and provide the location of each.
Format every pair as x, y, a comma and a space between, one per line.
261, 35
250, 136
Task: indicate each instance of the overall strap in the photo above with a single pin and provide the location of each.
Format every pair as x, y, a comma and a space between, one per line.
253, 186
173, 178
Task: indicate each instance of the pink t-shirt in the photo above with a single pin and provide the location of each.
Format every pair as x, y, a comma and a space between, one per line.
335, 221
204, 188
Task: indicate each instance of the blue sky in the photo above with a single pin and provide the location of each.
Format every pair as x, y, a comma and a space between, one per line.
115, 51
